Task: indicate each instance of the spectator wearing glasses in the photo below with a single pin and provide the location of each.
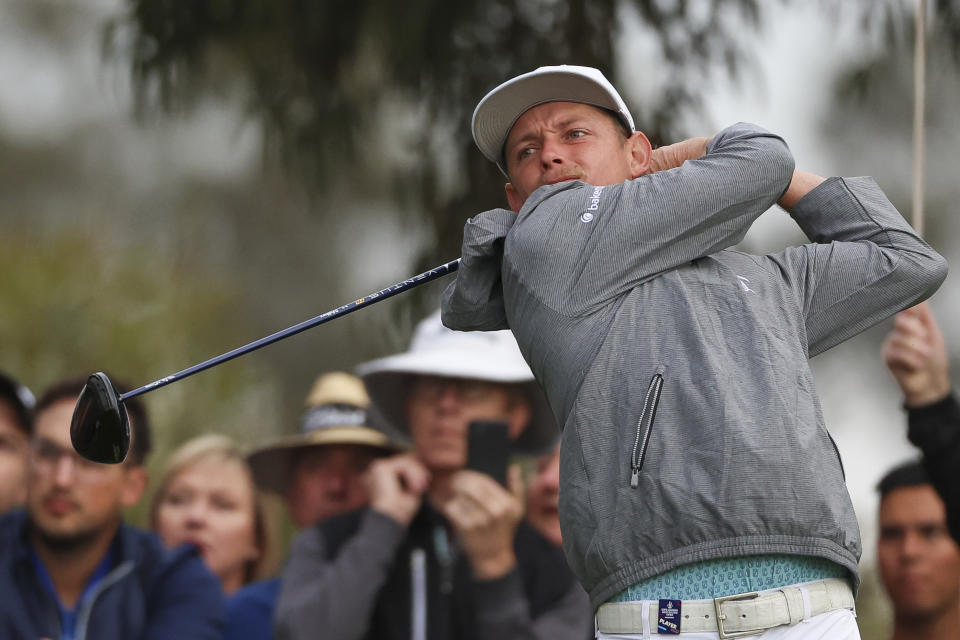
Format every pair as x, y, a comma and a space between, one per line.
69, 566
441, 551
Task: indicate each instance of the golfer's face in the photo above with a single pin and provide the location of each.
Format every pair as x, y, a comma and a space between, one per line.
559, 141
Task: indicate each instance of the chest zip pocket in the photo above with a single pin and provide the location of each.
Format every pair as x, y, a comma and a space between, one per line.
645, 428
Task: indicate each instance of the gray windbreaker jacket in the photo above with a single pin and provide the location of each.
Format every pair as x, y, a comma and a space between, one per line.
678, 368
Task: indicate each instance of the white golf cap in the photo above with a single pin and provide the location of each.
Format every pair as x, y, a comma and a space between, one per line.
499, 110
490, 356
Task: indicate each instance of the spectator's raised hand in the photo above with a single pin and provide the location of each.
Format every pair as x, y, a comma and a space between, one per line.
916, 354
396, 486
485, 517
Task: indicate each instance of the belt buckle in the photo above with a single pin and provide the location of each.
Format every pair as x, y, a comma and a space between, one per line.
717, 602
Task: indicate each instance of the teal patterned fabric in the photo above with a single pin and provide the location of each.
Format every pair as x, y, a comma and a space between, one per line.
728, 576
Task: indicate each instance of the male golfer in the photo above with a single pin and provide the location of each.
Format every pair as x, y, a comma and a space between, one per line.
695, 464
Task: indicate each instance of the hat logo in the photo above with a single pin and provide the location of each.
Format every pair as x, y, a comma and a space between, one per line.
586, 216
327, 416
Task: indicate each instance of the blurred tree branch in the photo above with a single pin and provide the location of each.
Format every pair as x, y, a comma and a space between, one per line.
324, 76
889, 26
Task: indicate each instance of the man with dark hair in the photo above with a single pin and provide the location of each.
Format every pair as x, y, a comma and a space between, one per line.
919, 562
16, 423
916, 354
69, 566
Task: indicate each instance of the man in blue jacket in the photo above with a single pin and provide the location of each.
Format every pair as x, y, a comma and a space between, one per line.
70, 568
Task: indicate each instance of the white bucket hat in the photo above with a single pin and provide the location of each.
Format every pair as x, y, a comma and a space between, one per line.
491, 356
499, 110
336, 413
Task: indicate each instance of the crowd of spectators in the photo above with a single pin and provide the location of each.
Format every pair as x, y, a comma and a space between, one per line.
397, 537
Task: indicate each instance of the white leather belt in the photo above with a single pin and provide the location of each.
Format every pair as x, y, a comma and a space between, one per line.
735, 616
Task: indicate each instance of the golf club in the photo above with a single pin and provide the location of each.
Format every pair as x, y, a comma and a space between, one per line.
100, 430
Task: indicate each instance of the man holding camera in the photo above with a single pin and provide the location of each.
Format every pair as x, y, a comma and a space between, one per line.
441, 551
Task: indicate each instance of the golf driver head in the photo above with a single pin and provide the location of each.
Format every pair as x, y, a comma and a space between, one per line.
100, 430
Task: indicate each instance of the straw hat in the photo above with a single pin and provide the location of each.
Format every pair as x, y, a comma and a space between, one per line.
491, 356
336, 414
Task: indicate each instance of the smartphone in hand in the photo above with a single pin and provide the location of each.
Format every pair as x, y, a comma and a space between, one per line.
488, 449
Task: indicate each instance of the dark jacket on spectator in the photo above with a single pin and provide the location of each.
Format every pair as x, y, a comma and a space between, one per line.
362, 575
935, 429
150, 593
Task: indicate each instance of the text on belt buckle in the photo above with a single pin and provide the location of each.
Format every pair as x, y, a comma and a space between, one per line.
717, 602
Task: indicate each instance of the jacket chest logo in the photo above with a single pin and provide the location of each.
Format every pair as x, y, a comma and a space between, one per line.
744, 285
588, 216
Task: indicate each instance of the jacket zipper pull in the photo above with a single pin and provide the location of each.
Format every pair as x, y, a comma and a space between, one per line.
650, 403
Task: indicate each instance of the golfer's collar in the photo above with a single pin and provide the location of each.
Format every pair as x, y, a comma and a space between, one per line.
546, 191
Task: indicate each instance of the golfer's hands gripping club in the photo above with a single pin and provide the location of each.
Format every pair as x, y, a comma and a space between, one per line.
396, 486
485, 516
916, 354
674, 155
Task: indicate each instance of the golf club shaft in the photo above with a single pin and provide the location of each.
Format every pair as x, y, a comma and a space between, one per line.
366, 301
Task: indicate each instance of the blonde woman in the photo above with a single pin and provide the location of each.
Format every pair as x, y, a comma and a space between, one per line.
207, 498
